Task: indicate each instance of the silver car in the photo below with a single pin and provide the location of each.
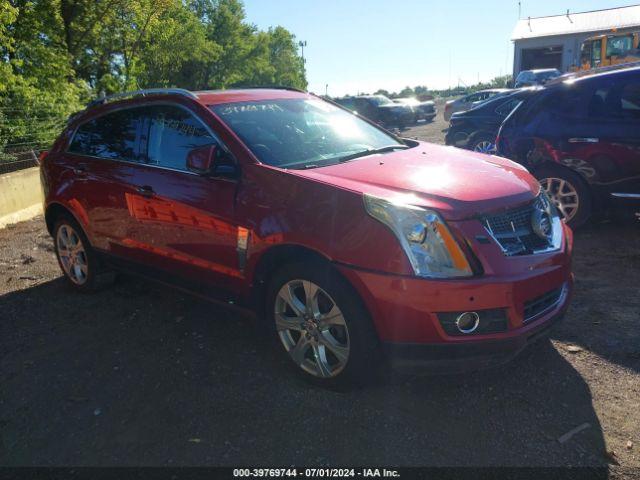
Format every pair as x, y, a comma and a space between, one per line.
467, 102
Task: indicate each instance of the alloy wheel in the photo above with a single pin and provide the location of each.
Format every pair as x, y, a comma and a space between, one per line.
73, 255
563, 194
485, 146
312, 328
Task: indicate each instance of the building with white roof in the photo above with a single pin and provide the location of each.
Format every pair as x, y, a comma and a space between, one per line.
555, 41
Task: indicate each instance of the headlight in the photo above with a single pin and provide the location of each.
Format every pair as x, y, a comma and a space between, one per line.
425, 238
554, 231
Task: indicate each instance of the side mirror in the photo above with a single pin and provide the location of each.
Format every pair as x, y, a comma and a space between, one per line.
201, 159
211, 160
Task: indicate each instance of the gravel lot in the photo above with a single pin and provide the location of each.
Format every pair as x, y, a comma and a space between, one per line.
138, 374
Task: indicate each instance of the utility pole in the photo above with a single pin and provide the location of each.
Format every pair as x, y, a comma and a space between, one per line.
302, 44
326, 90
519, 10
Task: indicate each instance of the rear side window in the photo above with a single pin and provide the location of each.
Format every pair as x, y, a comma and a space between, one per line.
630, 101
172, 133
619, 100
113, 136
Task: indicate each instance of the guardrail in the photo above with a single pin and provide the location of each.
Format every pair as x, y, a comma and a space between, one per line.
20, 161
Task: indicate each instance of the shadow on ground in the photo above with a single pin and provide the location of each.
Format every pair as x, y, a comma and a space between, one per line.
142, 375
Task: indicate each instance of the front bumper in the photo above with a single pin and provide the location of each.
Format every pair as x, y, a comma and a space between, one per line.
405, 309
458, 358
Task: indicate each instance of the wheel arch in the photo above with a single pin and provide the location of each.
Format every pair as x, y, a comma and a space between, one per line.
55, 211
275, 258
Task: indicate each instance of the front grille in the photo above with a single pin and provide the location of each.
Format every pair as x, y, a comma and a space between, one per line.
513, 230
536, 306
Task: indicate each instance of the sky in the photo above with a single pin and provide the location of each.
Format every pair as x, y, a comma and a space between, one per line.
363, 45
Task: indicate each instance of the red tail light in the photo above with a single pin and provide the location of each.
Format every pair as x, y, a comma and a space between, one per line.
42, 156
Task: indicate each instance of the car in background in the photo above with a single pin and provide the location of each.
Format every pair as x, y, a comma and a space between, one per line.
379, 109
425, 110
469, 101
347, 242
530, 78
581, 139
476, 129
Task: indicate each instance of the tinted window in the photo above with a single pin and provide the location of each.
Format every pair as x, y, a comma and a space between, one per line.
173, 133
620, 100
507, 107
111, 136
630, 100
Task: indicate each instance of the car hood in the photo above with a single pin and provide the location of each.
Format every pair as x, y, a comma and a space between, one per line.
458, 183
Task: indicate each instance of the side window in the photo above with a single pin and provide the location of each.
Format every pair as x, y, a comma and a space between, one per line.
616, 101
172, 134
630, 101
114, 136
596, 53
618, 46
507, 107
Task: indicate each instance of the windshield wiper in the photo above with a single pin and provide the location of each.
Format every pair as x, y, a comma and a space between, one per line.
373, 151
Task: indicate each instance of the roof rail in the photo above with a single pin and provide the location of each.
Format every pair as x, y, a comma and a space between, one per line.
270, 87
141, 93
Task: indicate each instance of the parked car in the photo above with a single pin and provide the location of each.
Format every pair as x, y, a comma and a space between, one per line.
469, 101
581, 139
422, 110
379, 109
530, 78
476, 129
347, 241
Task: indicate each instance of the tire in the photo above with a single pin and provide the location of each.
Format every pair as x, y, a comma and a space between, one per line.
84, 271
331, 348
551, 177
483, 143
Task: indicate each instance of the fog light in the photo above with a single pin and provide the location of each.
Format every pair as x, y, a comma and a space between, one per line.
468, 322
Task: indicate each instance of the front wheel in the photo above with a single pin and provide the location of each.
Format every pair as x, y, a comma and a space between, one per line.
321, 325
568, 192
484, 143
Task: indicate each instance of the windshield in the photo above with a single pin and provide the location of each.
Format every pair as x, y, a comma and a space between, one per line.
380, 100
548, 75
300, 133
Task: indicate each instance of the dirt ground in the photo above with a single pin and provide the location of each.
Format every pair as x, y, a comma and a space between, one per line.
138, 374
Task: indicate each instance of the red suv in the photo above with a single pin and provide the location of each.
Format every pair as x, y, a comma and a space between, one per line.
348, 241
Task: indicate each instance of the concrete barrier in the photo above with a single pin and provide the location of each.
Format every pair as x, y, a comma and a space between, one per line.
20, 196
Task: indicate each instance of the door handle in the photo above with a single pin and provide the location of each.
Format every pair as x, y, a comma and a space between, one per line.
584, 140
145, 191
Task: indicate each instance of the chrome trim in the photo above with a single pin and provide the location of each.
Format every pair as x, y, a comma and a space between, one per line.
584, 140
626, 195
551, 248
561, 298
475, 326
143, 93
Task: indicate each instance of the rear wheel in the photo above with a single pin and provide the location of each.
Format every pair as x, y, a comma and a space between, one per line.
320, 324
76, 258
568, 192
